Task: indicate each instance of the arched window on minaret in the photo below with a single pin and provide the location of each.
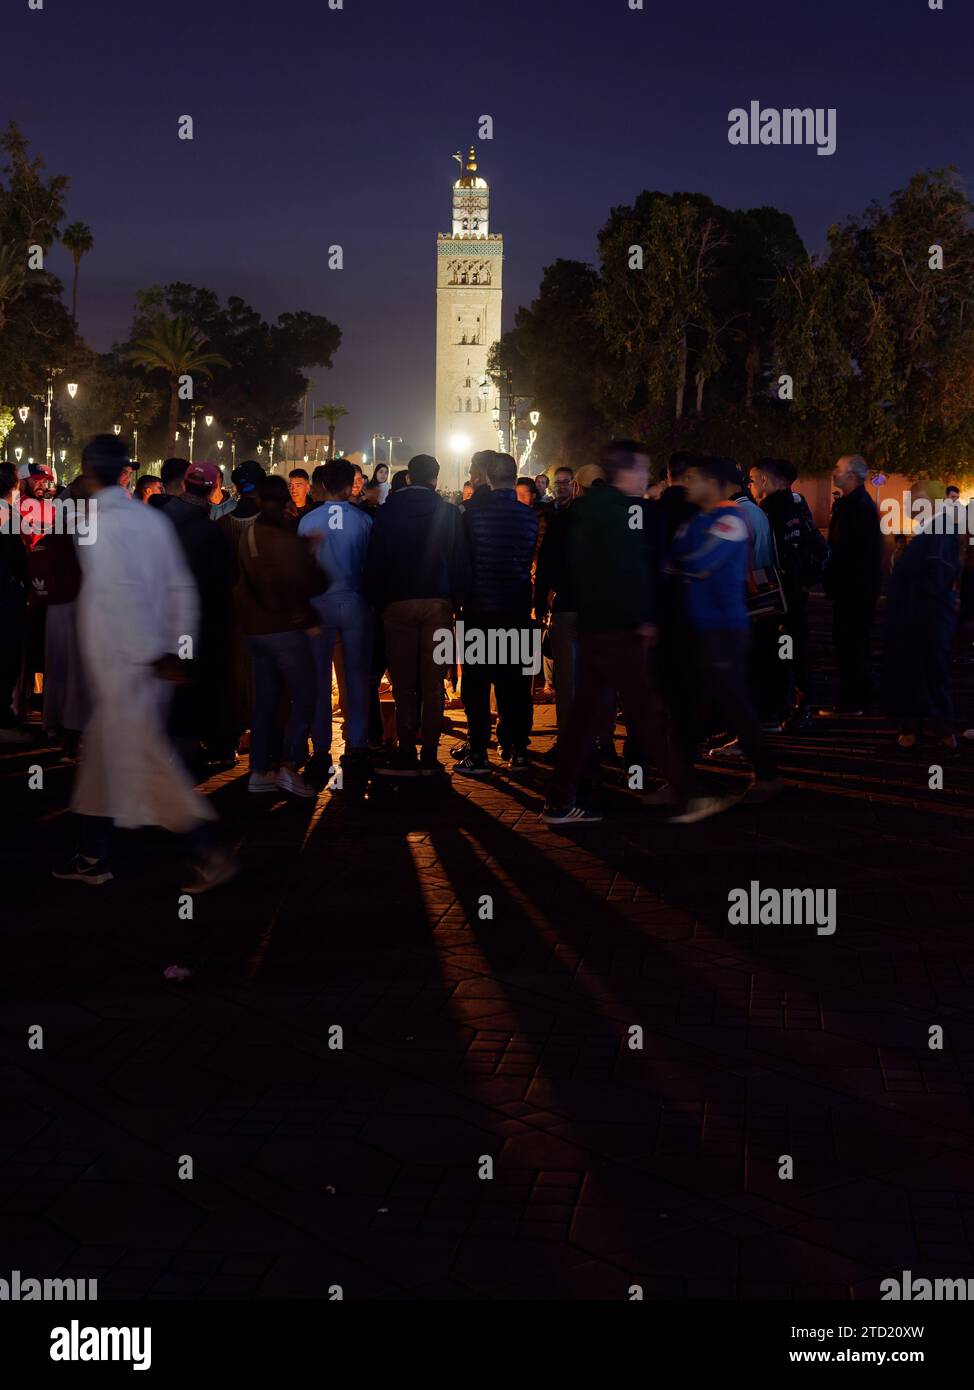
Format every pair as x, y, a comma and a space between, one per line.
475, 277
468, 405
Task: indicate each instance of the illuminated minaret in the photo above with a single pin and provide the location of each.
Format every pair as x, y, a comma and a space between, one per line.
469, 275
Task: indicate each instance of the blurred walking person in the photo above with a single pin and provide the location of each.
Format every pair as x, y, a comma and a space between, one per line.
853, 579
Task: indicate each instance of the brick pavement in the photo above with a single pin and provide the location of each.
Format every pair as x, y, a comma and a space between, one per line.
506, 1038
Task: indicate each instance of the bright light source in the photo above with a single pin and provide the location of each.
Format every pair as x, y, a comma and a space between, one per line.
23, 411
117, 429
219, 443
72, 389
534, 417
459, 442
18, 454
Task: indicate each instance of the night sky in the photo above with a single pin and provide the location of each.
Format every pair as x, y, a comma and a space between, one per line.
315, 127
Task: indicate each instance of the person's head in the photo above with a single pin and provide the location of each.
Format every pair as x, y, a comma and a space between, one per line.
39, 482
541, 484
272, 497
733, 479
467, 491
337, 479
705, 480
771, 475
562, 488
173, 472
380, 475
952, 493
147, 486
9, 481
200, 479
478, 466
423, 471
399, 480
850, 472
318, 482
104, 461
587, 476
929, 490
246, 476
299, 485
525, 490
676, 469
625, 463
502, 471
358, 483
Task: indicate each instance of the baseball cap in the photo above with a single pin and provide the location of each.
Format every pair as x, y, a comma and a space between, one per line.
202, 474
247, 475
588, 474
39, 470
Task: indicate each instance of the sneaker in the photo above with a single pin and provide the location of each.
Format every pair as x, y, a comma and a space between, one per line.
402, 763
761, 791
15, 738
459, 750
294, 783
702, 808
727, 750
517, 762
662, 796
217, 868
836, 712
429, 764
570, 815
78, 869
473, 765
259, 782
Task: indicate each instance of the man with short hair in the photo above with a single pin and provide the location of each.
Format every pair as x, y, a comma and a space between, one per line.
172, 473
502, 536
613, 576
339, 534
563, 486
478, 479
147, 486
544, 497
137, 611
317, 486
525, 492
299, 486
853, 579
416, 573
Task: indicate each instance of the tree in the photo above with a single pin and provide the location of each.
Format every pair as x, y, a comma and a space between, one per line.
260, 389
331, 413
77, 239
172, 346
110, 393
11, 278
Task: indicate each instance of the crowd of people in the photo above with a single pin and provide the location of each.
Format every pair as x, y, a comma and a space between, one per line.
203, 624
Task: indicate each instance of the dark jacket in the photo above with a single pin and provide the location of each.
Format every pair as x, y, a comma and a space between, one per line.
416, 550
786, 519
675, 508
478, 498
553, 570
278, 577
502, 536
613, 567
207, 550
856, 563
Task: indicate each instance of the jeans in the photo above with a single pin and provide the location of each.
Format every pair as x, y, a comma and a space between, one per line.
410, 628
612, 664
564, 647
349, 616
281, 660
722, 672
515, 708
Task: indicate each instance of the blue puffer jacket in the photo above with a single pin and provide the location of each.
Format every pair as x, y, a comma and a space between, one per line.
502, 535
417, 549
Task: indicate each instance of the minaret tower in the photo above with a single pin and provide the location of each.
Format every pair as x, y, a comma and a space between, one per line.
469, 276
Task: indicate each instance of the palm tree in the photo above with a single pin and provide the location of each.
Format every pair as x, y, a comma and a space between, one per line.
175, 347
77, 239
331, 413
11, 278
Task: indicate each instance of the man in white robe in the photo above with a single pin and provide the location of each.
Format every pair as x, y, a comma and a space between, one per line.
138, 615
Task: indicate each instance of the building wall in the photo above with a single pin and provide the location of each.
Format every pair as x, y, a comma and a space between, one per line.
471, 311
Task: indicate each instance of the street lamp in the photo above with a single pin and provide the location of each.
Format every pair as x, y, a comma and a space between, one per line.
23, 411
219, 445
18, 454
72, 389
209, 420
459, 444
117, 429
534, 417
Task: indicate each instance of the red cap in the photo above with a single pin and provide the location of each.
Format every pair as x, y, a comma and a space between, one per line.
206, 474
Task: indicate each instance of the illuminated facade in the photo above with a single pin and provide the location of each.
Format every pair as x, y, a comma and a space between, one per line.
469, 277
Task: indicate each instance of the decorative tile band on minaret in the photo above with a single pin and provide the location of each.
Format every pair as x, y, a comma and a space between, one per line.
469, 278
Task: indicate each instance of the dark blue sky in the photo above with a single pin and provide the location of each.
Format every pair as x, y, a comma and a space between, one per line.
315, 126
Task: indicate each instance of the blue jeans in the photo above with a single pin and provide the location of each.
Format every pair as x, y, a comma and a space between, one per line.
281, 659
349, 616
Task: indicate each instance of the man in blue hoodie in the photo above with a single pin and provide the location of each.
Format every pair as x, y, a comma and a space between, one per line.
416, 573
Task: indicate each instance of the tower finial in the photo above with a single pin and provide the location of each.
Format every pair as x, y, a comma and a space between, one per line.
472, 161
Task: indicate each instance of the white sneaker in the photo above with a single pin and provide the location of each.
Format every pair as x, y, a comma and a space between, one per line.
702, 807
217, 868
293, 782
662, 796
727, 750
262, 782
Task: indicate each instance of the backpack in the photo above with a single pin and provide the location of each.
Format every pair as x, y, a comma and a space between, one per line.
813, 548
